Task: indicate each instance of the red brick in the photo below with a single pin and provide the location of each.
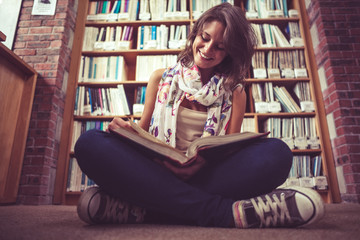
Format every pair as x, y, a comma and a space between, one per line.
38, 44
56, 44
26, 52
45, 66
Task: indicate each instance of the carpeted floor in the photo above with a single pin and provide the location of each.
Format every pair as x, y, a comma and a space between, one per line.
341, 221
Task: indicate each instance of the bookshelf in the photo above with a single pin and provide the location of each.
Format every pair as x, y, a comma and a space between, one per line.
17, 88
62, 195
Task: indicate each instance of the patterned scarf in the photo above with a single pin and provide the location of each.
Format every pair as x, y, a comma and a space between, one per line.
179, 82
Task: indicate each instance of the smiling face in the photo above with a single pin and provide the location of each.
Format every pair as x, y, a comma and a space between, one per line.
208, 47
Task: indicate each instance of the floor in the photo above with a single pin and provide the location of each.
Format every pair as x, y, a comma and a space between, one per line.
341, 221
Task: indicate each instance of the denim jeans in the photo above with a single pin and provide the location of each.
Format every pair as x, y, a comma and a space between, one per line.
206, 199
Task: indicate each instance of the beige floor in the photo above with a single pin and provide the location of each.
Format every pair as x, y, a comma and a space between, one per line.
341, 221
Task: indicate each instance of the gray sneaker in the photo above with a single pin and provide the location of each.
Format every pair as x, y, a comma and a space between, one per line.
287, 207
95, 206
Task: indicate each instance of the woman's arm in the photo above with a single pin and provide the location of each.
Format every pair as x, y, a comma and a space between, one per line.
150, 98
237, 110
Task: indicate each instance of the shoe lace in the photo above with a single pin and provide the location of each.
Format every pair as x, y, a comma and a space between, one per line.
271, 212
115, 211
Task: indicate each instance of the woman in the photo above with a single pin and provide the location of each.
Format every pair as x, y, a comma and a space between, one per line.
201, 95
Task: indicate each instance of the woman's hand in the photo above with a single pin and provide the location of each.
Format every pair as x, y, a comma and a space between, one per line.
118, 122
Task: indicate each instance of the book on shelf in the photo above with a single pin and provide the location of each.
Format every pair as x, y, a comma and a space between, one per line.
258, 65
272, 60
146, 64
157, 9
200, 6
302, 91
263, 95
177, 9
206, 146
107, 38
293, 30
286, 100
79, 127
306, 172
138, 106
296, 132
77, 181
280, 38
266, 8
125, 10
102, 69
248, 125
101, 101
269, 35
279, 64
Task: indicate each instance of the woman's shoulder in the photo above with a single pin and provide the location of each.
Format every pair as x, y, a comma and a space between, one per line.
157, 75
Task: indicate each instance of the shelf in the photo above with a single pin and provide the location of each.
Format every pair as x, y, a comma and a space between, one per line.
274, 21
278, 48
280, 114
130, 57
112, 84
131, 54
276, 80
137, 23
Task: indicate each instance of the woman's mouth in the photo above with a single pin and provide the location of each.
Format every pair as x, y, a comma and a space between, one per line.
204, 56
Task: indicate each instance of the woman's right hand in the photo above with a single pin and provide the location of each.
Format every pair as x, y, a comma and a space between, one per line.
118, 122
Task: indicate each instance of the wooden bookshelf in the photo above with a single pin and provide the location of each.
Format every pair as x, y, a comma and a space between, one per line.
17, 87
62, 196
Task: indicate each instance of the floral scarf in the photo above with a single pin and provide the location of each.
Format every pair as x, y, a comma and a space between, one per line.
179, 82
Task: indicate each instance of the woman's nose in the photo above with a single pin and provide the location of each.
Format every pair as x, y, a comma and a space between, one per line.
208, 47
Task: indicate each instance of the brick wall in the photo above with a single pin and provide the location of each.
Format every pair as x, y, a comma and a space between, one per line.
45, 43
335, 28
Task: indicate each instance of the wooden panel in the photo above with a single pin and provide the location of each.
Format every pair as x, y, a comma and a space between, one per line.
17, 86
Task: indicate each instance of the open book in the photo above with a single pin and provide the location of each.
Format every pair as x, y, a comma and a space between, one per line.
206, 146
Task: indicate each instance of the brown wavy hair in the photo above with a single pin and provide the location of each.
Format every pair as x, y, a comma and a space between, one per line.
239, 42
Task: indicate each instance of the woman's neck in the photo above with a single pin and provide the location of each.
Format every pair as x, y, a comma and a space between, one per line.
206, 75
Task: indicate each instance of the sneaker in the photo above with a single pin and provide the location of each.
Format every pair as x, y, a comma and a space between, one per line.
288, 207
95, 206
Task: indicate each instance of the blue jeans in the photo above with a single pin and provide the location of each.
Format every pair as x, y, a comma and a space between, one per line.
206, 199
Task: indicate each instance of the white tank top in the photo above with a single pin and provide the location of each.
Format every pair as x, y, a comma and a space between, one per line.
190, 125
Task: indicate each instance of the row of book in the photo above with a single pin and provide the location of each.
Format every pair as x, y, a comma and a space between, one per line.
125, 10
200, 6
248, 125
102, 69
306, 172
268, 9
108, 38
269, 98
162, 37
305, 166
279, 64
269, 35
79, 127
131, 10
147, 64
296, 132
101, 101
77, 181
